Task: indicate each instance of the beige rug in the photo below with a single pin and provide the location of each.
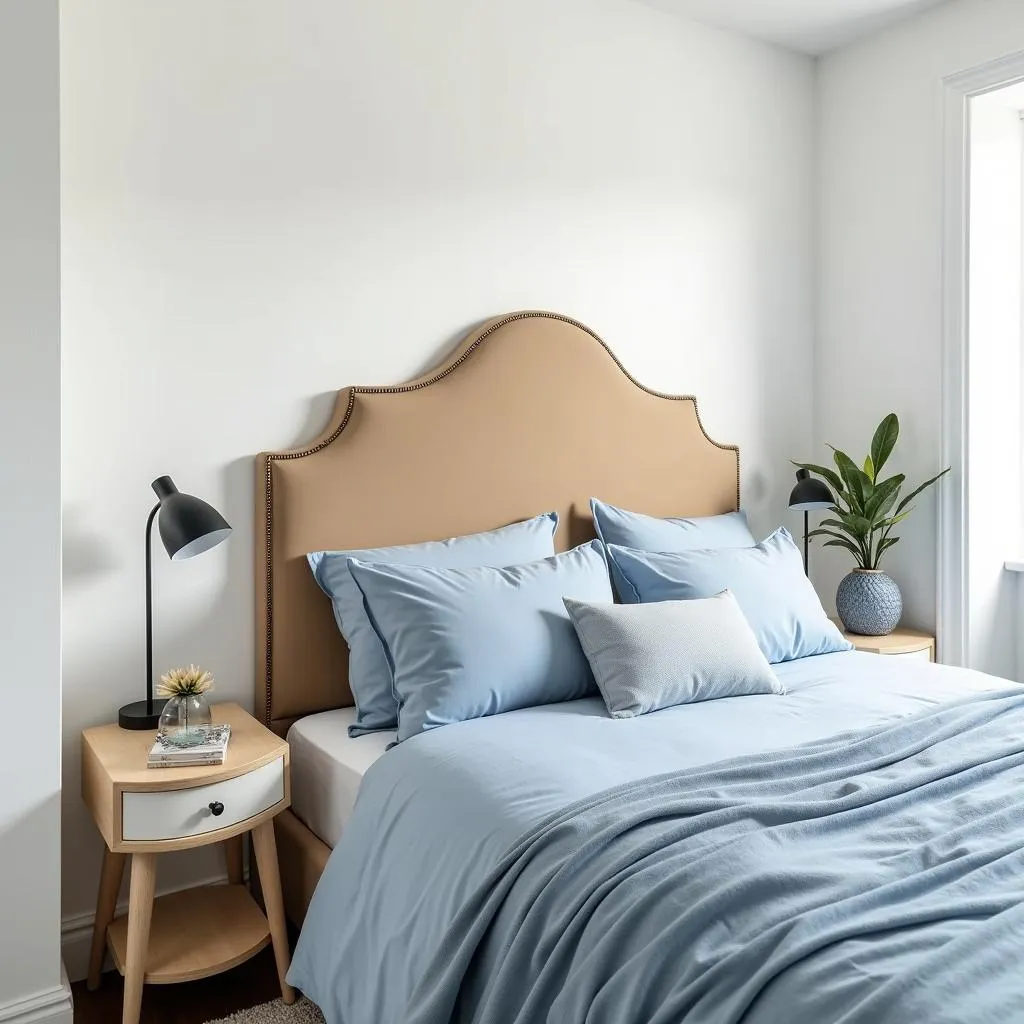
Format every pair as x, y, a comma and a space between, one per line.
301, 1012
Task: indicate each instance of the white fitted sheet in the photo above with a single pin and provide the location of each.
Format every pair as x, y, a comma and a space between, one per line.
327, 767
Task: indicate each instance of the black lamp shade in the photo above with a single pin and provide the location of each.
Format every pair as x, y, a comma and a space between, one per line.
810, 493
188, 525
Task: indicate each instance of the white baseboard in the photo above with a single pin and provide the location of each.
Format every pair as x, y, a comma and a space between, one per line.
52, 1006
76, 934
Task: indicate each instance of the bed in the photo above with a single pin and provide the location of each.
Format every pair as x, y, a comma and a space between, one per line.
808, 857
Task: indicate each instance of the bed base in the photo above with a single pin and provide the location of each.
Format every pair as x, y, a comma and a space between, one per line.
302, 858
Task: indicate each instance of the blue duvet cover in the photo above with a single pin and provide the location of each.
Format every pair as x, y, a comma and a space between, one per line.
713, 863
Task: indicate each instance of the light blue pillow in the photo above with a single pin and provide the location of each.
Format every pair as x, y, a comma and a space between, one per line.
767, 580
651, 656
369, 674
648, 533
465, 643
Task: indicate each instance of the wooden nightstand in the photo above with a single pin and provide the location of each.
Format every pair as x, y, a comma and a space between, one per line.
910, 643
147, 811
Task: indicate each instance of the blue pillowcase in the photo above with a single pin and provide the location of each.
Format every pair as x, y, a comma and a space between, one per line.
369, 674
466, 643
648, 533
767, 580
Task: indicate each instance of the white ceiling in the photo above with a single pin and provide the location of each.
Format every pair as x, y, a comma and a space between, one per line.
810, 26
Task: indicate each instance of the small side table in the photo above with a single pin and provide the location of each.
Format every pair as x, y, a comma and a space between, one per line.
143, 812
901, 642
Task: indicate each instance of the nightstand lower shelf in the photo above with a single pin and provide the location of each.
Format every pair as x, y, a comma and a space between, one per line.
196, 933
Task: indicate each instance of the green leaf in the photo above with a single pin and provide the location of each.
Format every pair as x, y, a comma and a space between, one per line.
854, 525
844, 503
888, 524
869, 469
838, 523
836, 538
853, 549
821, 532
883, 498
848, 517
913, 494
853, 529
852, 542
842, 526
860, 526
829, 475
854, 479
884, 441
842, 515
884, 546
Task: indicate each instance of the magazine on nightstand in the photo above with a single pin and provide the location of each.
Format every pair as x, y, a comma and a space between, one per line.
207, 744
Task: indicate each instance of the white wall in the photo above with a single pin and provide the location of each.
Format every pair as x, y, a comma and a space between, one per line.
30, 969
265, 201
994, 381
880, 248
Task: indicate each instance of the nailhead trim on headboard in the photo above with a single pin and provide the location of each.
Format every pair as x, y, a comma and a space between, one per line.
273, 457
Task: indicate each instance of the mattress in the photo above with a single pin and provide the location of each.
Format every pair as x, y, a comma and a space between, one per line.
327, 768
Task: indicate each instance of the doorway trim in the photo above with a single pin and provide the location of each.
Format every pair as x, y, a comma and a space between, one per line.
952, 612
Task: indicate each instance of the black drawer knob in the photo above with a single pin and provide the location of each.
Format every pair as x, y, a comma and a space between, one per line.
216, 808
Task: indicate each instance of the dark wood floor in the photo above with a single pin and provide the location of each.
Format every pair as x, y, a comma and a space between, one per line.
193, 1002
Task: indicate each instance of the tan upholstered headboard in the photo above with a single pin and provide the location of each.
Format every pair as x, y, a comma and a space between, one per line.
532, 412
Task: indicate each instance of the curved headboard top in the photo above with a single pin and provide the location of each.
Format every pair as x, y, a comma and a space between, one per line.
531, 413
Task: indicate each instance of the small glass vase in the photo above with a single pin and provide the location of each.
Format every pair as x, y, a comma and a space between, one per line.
182, 718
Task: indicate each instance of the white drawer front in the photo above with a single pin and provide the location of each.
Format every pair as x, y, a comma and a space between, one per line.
152, 817
924, 655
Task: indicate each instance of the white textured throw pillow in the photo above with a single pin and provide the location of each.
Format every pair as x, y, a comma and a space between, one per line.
651, 656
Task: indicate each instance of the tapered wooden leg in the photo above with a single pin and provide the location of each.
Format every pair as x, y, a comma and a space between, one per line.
140, 913
233, 856
106, 903
266, 859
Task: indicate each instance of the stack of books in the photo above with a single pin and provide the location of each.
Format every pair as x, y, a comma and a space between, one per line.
206, 744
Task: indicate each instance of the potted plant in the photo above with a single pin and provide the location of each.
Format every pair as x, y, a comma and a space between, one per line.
867, 509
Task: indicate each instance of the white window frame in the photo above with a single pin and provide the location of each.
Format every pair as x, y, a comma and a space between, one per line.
952, 600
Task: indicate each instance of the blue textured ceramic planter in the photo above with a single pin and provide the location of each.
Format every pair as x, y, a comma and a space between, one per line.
869, 602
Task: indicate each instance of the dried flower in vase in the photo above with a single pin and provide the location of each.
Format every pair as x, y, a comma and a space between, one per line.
185, 682
187, 711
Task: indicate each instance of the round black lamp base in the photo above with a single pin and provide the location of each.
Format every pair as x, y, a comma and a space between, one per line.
142, 714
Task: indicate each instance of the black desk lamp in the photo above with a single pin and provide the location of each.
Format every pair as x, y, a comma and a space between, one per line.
809, 495
188, 526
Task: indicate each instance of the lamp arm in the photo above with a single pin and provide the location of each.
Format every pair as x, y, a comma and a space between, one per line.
149, 608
